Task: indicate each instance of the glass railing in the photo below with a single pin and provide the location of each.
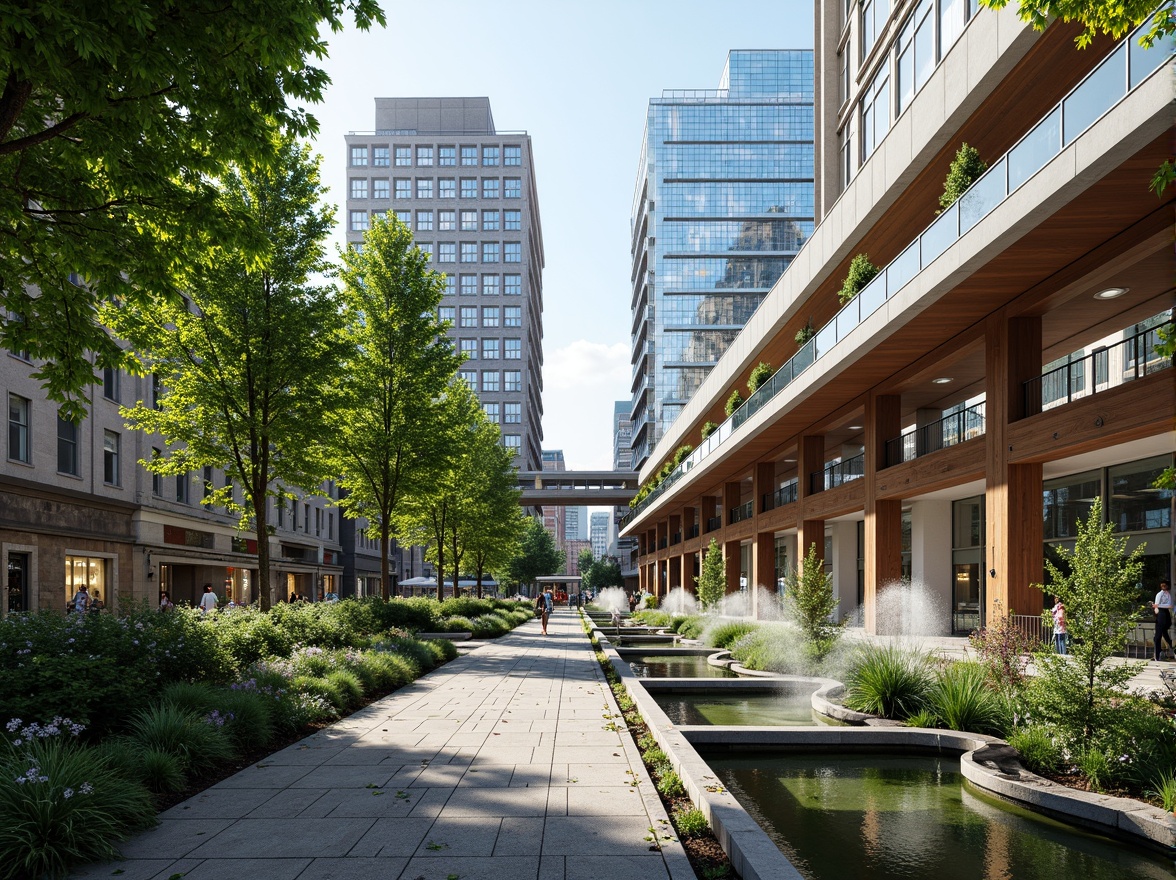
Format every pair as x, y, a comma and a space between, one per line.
1101, 370
1104, 87
786, 494
839, 473
951, 430
740, 513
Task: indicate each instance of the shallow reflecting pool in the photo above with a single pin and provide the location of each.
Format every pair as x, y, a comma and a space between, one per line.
759, 709
675, 666
882, 816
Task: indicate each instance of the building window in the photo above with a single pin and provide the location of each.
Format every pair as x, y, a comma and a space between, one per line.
513, 413
446, 314
512, 285
469, 285
88, 572
490, 186
490, 316
492, 412
403, 188
490, 221
447, 155
469, 187
182, 488
512, 220
469, 221
447, 188
513, 442
469, 348
330, 525
491, 380
489, 155
512, 380
447, 252
359, 221
490, 252
447, 221
512, 316
490, 285
470, 377
916, 53
380, 157
110, 381
18, 428
426, 248
380, 189
512, 188
424, 221
514, 349
318, 522
206, 482
490, 349
875, 111
469, 316
512, 252
469, 155
469, 252
424, 155
405, 217
359, 156
874, 13
67, 447
306, 518
359, 188
156, 479
424, 188
404, 156
512, 155
110, 469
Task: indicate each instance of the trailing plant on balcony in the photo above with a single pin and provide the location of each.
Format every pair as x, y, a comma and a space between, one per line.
861, 272
708, 428
805, 333
761, 374
966, 168
733, 402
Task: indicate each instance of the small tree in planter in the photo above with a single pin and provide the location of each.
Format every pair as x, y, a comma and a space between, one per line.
733, 402
809, 600
712, 579
805, 333
966, 168
708, 428
861, 273
761, 374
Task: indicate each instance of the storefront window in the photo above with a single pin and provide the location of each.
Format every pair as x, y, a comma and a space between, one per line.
18, 583
85, 571
1067, 500
1135, 504
967, 563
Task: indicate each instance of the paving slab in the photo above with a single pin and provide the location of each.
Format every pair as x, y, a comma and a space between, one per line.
499, 764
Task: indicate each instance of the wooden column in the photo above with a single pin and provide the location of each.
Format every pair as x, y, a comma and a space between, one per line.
883, 528
763, 566
675, 572
1013, 526
810, 459
731, 564
732, 493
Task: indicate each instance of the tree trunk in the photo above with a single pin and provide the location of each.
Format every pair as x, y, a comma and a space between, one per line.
265, 595
384, 574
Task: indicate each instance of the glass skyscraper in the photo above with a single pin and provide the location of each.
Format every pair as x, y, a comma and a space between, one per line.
724, 201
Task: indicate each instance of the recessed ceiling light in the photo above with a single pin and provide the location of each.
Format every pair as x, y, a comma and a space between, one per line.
1111, 292
790, 460
942, 380
855, 427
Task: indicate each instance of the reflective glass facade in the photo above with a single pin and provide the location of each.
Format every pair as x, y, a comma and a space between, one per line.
724, 201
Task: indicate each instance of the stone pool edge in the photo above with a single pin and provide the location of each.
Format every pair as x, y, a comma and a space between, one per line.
987, 762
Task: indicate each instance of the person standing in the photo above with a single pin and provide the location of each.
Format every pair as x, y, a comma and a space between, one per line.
1059, 618
208, 601
165, 602
548, 606
81, 599
1162, 606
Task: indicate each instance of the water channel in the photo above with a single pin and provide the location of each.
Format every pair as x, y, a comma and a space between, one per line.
675, 666
763, 709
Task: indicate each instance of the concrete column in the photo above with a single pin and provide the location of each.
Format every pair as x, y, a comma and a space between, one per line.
845, 557
1013, 527
931, 548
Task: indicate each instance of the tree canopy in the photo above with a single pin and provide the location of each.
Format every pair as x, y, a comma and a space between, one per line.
117, 119
1097, 16
538, 556
712, 578
245, 357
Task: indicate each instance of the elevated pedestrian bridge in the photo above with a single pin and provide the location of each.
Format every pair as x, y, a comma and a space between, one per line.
577, 488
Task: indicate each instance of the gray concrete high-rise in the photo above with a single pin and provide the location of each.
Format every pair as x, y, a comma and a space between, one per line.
468, 193
723, 202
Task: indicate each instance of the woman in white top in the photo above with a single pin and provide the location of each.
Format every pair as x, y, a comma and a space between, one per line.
1163, 608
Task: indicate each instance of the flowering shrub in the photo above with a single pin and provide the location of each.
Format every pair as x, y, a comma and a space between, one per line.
1004, 650
62, 803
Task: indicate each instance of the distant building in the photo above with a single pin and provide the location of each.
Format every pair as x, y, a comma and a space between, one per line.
555, 518
600, 534
572, 551
576, 523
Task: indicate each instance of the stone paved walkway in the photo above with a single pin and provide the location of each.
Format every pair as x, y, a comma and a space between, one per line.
500, 764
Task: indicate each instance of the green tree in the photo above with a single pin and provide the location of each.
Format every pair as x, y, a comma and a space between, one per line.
965, 169
733, 403
584, 562
538, 556
1099, 590
117, 119
397, 363
861, 272
1097, 16
708, 428
712, 579
760, 374
809, 600
492, 525
245, 357
604, 573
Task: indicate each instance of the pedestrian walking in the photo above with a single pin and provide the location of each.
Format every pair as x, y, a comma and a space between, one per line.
1162, 606
548, 606
208, 601
1059, 619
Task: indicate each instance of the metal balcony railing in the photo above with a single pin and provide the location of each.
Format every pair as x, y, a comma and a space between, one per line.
839, 473
714, 522
740, 513
786, 494
966, 424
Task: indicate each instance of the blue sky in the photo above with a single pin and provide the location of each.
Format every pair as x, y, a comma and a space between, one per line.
578, 77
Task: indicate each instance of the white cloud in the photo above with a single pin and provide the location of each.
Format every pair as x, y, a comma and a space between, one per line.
584, 364
581, 382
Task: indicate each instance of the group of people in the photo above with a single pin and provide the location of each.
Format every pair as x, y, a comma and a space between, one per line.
83, 603
1161, 606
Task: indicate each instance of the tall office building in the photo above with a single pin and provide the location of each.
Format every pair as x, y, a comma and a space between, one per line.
622, 435
554, 516
600, 534
468, 193
576, 523
724, 200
